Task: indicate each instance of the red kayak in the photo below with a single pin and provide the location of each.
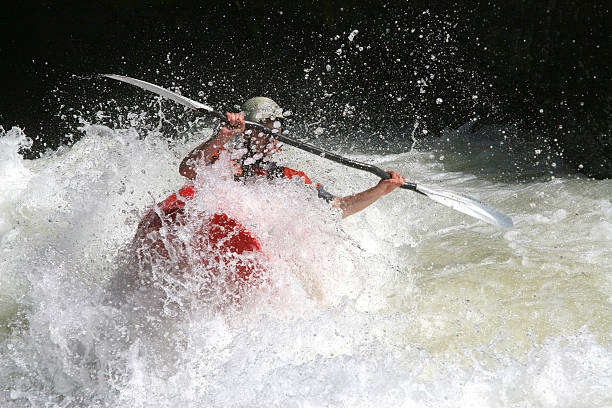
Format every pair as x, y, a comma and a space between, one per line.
219, 251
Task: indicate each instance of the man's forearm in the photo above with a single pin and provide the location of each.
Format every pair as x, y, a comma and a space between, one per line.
357, 202
203, 152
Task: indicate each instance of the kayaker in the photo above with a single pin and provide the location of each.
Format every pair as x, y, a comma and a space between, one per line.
216, 246
258, 149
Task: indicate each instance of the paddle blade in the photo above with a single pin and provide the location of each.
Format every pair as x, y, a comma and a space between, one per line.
468, 205
161, 91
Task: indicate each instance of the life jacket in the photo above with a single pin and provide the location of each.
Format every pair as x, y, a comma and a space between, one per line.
260, 168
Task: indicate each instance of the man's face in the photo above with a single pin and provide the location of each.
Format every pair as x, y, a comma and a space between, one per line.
261, 141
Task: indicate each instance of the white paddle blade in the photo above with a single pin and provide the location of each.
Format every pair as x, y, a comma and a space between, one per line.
161, 91
469, 206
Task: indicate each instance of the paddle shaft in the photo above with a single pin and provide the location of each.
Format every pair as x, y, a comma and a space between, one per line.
316, 150
459, 202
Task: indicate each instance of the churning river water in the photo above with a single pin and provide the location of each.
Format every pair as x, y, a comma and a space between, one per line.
406, 304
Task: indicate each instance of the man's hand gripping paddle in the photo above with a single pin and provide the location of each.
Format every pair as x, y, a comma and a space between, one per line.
459, 202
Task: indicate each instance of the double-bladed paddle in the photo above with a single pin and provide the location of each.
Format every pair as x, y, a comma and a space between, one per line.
459, 202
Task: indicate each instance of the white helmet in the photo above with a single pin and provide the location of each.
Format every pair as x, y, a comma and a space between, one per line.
260, 108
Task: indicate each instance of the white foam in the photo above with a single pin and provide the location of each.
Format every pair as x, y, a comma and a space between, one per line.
405, 304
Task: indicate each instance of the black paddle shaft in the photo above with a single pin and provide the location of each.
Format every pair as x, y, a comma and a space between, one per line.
461, 203
316, 150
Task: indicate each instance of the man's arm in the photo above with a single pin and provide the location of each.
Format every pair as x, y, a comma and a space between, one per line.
209, 148
357, 202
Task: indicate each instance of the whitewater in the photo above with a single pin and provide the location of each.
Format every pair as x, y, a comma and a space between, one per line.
405, 304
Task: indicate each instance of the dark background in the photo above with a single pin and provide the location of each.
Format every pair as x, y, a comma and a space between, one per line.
541, 65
